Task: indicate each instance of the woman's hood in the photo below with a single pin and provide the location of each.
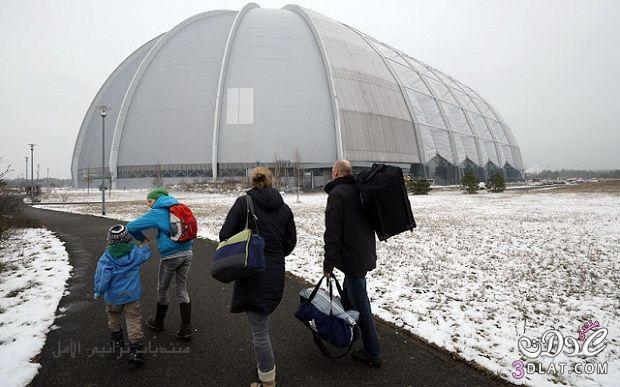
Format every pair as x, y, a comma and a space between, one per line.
269, 199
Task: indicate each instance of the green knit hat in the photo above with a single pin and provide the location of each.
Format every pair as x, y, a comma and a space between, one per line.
157, 193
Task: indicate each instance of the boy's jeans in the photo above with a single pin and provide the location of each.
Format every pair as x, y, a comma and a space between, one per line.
133, 319
176, 266
355, 288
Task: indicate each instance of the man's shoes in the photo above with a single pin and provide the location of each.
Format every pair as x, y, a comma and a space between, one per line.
363, 357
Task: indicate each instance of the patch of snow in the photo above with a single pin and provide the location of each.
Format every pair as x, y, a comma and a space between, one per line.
479, 272
36, 270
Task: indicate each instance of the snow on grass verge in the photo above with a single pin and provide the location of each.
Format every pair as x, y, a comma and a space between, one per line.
34, 268
479, 272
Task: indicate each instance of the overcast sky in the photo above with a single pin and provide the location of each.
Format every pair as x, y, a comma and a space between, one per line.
551, 68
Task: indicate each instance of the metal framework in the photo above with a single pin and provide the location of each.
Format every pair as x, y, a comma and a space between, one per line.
93, 107
164, 170
444, 113
218, 100
328, 73
135, 81
401, 86
455, 85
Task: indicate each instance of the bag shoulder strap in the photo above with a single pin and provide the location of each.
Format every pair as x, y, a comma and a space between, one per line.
249, 204
169, 209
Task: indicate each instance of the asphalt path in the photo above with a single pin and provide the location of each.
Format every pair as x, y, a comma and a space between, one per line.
220, 354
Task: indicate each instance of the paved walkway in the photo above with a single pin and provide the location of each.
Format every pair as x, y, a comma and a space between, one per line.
221, 353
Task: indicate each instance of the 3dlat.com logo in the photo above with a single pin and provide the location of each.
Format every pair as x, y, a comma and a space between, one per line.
590, 341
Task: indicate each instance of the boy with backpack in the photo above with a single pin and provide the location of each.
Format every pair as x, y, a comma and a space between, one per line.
176, 228
117, 279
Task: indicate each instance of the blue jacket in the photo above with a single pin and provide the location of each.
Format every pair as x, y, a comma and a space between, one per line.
118, 279
159, 217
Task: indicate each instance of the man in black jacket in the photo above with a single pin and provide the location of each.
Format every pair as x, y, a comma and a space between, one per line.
350, 246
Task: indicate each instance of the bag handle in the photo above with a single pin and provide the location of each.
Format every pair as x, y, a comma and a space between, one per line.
338, 286
249, 205
318, 286
315, 291
374, 171
316, 338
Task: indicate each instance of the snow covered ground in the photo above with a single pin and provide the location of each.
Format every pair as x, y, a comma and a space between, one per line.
479, 272
34, 270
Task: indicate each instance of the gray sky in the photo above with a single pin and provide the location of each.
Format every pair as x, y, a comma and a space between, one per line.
551, 68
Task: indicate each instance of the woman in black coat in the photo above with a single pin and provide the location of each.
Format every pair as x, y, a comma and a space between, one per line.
259, 295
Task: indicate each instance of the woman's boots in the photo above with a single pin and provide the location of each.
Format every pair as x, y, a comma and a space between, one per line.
267, 379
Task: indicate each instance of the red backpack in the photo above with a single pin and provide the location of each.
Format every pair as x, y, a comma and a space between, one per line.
183, 225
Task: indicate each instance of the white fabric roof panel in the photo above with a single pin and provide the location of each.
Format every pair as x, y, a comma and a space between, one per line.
237, 88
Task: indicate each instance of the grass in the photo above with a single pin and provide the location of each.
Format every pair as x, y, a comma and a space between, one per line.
603, 186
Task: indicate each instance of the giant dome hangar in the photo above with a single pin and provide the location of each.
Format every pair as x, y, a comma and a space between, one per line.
225, 91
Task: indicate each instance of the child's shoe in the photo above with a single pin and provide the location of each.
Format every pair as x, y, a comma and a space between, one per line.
136, 353
118, 343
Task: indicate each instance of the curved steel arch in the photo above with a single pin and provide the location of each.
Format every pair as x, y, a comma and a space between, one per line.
135, 81
93, 106
408, 103
218, 103
328, 73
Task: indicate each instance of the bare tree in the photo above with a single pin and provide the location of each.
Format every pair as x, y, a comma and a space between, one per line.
297, 168
278, 166
158, 178
4, 172
11, 207
88, 178
276, 169
110, 180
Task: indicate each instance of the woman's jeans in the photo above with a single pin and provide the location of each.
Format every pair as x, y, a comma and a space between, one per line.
259, 325
355, 288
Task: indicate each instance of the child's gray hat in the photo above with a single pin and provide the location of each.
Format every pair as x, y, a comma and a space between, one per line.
118, 234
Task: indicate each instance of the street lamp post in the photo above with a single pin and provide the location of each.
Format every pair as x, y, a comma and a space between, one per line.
32, 145
103, 111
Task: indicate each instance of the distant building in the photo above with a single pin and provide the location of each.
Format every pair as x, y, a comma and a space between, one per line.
235, 89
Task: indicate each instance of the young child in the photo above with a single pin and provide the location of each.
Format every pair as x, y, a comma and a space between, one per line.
117, 279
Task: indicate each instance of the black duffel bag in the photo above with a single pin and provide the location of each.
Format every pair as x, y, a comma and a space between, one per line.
325, 316
384, 199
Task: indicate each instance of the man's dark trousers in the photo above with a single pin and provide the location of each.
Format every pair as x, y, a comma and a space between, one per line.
355, 288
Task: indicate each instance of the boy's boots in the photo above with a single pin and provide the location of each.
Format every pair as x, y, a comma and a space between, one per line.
186, 331
136, 353
157, 323
117, 343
